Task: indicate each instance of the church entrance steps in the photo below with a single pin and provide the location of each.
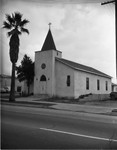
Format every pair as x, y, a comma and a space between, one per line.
94, 97
41, 96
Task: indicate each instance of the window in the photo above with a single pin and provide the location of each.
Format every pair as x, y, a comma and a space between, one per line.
98, 84
106, 85
19, 88
43, 66
87, 83
43, 78
68, 80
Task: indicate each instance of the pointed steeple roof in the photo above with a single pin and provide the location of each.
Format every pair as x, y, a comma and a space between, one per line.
49, 42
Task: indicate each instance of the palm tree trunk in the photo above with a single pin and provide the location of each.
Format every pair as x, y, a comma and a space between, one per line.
12, 92
28, 89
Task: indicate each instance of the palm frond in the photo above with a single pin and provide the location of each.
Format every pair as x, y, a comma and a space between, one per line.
24, 22
24, 30
6, 25
9, 33
10, 19
13, 32
13, 16
15, 23
18, 17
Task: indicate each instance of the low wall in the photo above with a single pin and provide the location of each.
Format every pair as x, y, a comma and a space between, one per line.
96, 97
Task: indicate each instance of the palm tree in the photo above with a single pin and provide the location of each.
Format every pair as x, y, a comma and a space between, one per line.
15, 24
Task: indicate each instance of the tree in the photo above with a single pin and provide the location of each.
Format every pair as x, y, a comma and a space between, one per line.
26, 71
15, 24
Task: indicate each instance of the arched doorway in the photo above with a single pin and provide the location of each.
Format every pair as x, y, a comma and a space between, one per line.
43, 78
43, 85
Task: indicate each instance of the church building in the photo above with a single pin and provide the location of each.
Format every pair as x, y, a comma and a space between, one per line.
56, 76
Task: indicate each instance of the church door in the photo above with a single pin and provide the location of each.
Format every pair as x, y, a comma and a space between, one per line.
43, 85
43, 88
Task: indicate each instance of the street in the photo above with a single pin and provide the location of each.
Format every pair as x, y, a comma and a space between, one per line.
31, 128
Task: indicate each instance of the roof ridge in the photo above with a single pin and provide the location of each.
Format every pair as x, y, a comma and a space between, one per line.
86, 68
76, 63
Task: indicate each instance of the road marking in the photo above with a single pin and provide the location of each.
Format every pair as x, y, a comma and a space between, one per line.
59, 131
81, 135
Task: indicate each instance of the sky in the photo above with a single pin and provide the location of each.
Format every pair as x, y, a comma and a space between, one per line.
84, 30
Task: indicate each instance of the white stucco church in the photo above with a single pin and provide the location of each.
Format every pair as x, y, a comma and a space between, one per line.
60, 77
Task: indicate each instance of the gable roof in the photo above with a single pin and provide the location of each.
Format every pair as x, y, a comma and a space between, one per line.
114, 84
81, 67
49, 42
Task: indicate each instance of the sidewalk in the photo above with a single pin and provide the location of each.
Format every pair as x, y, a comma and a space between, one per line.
108, 110
84, 108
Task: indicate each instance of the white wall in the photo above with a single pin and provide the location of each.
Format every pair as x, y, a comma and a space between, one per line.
56, 74
47, 57
80, 84
61, 72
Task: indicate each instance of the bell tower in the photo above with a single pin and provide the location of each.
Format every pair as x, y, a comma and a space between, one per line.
45, 81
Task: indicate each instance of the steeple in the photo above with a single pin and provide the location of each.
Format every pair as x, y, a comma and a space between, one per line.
49, 42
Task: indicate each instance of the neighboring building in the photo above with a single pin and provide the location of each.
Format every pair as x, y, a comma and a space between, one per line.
5, 81
56, 76
21, 87
114, 87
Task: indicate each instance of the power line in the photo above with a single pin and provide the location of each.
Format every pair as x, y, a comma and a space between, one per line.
111, 2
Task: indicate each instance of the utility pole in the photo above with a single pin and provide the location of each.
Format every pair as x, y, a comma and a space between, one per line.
110, 2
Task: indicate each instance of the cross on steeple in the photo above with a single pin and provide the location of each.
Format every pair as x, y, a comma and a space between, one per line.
49, 41
50, 25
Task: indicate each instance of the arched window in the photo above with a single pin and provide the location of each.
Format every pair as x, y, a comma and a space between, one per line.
43, 78
68, 80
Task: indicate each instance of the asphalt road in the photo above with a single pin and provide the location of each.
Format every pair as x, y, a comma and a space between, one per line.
32, 129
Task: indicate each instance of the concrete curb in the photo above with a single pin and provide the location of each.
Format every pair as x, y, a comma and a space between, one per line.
62, 113
34, 102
